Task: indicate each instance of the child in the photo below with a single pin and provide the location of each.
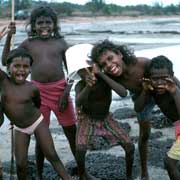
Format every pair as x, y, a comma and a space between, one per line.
93, 99
161, 85
21, 100
47, 47
118, 62
5, 31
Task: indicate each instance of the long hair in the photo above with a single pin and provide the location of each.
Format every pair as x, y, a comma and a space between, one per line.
106, 45
42, 11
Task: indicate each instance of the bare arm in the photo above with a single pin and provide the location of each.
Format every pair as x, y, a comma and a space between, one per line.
36, 98
141, 100
6, 49
82, 91
118, 88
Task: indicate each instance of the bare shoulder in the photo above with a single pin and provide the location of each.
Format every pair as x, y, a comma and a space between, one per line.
31, 86
24, 44
143, 61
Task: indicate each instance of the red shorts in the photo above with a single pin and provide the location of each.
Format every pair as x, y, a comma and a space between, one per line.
50, 93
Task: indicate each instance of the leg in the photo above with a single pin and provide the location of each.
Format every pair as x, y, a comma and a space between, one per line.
39, 160
171, 166
39, 154
70, 133
145, 129
129, 157
80, 157
45, 141
21, 153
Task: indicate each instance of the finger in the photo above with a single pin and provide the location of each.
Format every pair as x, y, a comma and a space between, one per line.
169, 80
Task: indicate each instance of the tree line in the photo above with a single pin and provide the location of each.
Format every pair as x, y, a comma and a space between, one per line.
91, 8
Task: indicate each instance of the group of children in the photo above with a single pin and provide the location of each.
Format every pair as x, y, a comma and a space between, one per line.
115, 67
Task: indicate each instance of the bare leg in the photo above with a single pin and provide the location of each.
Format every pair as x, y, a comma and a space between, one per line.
39, 161
70, 133
129, 150
145, 129
45, 141
21, 153
171, 167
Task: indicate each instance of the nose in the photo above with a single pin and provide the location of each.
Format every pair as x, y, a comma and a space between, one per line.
108, 64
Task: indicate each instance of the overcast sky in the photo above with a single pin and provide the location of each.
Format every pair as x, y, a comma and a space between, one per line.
125, 2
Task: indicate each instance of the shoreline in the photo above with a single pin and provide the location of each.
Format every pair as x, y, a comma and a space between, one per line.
78, 19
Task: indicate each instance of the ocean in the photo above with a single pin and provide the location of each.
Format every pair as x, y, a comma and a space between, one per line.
148, 37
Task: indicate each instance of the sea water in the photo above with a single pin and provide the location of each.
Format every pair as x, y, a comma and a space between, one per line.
147, 37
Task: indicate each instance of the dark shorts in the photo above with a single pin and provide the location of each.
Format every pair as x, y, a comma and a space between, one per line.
146, 113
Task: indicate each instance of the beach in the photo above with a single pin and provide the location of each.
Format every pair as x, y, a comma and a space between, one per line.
145, 35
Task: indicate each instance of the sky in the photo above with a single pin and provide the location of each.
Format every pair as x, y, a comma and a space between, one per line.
125, 2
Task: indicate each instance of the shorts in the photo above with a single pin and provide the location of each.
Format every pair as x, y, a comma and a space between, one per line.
50, 93
30, 130
174, 152
146, 113
90, 131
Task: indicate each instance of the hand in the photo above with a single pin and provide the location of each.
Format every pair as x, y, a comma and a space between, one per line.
146, 83
95, 69
90, 78
170, 85
63, 102
12, 28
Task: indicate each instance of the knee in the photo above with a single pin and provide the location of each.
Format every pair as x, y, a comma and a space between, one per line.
145, 131
52, 156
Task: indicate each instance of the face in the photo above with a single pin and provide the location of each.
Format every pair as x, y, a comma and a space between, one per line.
111, 63
19, 69
158, 79
44, 27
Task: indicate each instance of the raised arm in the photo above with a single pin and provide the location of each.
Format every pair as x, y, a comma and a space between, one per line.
6, 49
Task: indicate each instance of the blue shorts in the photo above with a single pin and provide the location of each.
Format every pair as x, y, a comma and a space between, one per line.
146, 113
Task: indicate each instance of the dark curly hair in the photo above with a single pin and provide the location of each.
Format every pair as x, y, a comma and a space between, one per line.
106, 45
42, 11
18, 52
159, 62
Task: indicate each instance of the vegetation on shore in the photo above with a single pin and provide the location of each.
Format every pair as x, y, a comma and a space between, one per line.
91, 8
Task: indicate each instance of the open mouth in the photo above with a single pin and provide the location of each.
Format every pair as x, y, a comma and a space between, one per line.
115, 70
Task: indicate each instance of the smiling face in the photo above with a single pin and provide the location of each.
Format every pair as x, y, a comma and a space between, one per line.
44, 27
111, 62
19, 69
158, 79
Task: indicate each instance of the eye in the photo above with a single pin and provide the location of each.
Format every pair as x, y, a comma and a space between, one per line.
110, 58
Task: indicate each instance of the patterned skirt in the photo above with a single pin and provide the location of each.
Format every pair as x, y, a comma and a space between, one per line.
93, 133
